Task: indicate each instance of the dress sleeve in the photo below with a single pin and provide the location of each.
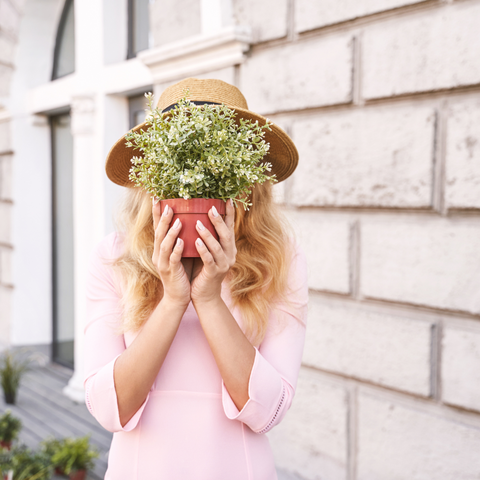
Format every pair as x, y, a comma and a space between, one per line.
102, 345
274, 374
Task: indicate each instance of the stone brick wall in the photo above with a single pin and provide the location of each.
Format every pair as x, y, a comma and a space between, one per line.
10, 14
382, 99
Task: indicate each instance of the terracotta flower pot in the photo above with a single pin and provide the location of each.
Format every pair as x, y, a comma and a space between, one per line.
78, 475
189, 211
5, 444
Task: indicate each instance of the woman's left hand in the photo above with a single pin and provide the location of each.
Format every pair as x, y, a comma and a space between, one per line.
217, 257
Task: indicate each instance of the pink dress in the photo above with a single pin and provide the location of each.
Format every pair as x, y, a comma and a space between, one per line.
188, 426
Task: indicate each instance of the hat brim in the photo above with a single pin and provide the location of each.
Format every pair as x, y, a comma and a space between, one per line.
282, 154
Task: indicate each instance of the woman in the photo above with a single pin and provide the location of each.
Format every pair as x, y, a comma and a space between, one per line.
190, 362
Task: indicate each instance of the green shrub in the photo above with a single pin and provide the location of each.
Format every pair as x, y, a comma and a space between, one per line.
11, 371
10, 426
75, 454
28, 465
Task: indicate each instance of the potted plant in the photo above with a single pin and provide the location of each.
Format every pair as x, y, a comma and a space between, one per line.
11, 371
10, 427
196, 157
6, 472
49, 447
25, 464
75, 457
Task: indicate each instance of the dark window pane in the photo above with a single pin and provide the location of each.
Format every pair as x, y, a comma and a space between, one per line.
64, 57
62, 237
136, 110
138, 26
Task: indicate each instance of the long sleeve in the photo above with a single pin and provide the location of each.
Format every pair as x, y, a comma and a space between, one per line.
102, 345
274, 374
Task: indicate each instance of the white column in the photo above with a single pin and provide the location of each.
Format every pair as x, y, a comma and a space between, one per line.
88, 199
88, 161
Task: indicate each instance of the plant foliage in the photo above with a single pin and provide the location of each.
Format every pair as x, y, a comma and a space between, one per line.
75, 454
199, 151
26, 464
11, 371
10, 426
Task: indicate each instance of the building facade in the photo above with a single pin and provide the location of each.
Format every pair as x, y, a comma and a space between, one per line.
382, 99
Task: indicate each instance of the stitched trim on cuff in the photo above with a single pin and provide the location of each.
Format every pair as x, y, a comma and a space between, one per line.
272, 421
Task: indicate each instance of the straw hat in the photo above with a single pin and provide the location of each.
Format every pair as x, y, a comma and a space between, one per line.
282, 154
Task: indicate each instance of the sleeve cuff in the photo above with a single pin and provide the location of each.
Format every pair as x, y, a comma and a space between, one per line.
265, 389
101, 399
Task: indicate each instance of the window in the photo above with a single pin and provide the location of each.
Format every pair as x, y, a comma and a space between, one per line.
138, 26
64, 55
62, 241
136, 110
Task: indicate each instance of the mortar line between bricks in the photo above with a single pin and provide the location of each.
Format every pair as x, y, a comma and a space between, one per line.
357, 70
406, 98
365, 301
291, 21
344, 25
440, 160
355, 259
352, 433
437, 360
452, 214
427, 405
372, 18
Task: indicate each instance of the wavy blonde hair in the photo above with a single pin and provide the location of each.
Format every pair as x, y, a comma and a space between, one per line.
257, 280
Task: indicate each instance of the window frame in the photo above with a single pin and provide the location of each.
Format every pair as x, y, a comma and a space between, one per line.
60, 31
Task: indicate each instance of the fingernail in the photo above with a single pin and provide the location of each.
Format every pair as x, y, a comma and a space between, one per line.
165, 211
177, 223
231, 202
214, 211
178, 242
199, 242
200, 225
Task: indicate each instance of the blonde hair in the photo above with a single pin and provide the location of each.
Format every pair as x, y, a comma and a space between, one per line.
257, 280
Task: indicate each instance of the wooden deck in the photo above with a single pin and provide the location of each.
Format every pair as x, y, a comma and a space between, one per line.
45, 410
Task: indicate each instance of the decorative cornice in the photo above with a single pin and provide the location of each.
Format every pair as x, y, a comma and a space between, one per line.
197, 54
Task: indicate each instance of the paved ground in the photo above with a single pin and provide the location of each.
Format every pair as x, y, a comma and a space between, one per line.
45, 410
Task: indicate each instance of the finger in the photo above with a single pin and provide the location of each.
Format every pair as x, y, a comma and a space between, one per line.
176, 256
213, 245
205, 255
225, 234
164, 223
156, 213
230, 217
166, 246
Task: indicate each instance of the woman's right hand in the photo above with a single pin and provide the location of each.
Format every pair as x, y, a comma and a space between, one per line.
167, 256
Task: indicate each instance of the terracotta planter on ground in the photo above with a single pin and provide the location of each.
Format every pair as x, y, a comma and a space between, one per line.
59, 471
78, 475
189, 211
5, 444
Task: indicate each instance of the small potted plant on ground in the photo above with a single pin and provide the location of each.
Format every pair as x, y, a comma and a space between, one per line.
49, 447
10, 427
26, 464
196, 157
11, 370
6, 472
75, 457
